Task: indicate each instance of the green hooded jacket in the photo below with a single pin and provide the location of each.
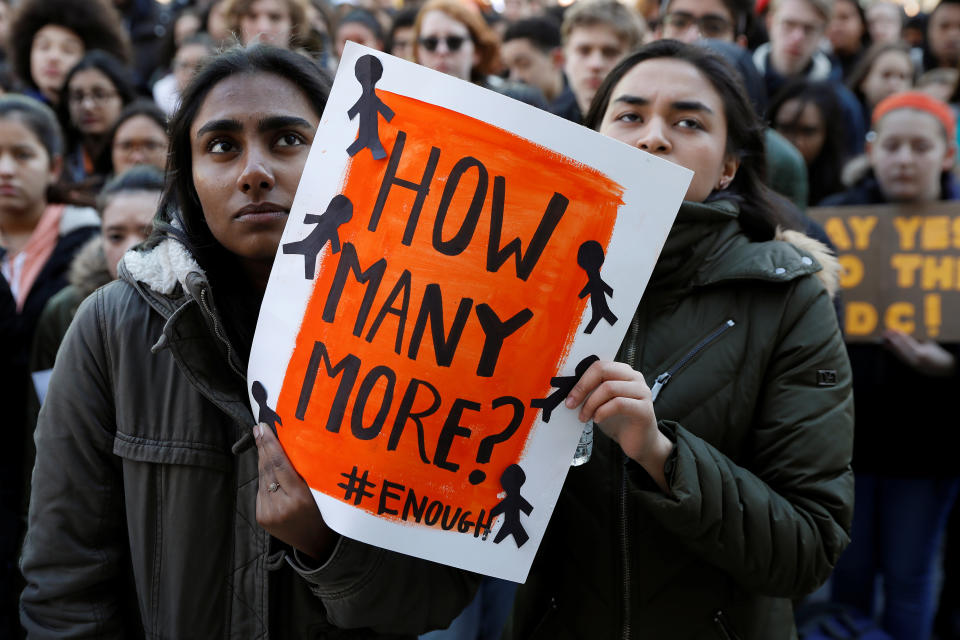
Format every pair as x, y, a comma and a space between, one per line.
142, 520
739, 342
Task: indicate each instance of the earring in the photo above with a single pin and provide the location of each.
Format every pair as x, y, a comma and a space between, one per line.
723, 183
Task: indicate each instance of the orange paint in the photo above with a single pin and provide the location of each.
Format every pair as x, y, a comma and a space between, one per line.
529, 358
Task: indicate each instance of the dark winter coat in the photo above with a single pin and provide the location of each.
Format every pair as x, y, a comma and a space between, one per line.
142, 520
740, 342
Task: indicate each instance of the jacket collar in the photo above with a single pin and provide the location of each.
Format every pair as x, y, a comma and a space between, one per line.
707, 246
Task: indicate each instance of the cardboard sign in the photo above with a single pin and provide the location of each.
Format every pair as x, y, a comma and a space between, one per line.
453, 261
901, 268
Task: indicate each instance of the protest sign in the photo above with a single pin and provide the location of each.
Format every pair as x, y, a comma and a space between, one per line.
901, 268
454, 259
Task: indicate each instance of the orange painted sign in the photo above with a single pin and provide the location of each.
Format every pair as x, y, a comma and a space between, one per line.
439, 280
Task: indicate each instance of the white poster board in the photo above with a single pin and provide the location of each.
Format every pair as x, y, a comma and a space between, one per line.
451, 256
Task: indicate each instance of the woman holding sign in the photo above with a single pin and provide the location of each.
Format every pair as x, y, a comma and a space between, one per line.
145, 474
719, 486
906, 482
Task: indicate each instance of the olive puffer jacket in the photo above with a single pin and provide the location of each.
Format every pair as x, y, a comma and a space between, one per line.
739, 342
142, 519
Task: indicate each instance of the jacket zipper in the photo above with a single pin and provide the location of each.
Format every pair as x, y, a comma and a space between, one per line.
625, 549
664, 377
661, 380
218, 332
726, 630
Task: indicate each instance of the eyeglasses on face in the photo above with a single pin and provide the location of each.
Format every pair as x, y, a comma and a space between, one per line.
710, 26
430, 43
97, 96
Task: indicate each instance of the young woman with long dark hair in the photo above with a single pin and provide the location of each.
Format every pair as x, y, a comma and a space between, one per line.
151, 515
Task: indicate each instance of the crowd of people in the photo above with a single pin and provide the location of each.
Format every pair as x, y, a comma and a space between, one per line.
149, 154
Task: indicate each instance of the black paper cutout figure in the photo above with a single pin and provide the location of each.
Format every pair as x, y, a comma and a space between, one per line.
266, 415
590, 257
511, 480
564, 385
368, 70
339, 211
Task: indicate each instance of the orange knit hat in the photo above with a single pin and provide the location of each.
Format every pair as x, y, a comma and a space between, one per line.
921, 102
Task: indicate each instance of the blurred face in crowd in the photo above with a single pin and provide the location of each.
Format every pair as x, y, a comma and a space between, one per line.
529, 64
892, 72
802, 123
908, 154
845, 28
126, 221
267, 21
186, 25
94, 102
690, 20
445, 45
53, 52
26, 169
795, 31
518, 9
402, 43
356, 32
139, 140
249, 142
589, 54
187, 62
217, 22
884, 22
667, 107
4, 21
943, 35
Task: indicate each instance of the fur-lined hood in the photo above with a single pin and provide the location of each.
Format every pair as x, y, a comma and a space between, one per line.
829, 273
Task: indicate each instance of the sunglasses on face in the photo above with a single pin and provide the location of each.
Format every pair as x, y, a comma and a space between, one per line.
430, 43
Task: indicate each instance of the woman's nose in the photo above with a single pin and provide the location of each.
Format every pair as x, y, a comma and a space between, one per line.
257, 174
653, 138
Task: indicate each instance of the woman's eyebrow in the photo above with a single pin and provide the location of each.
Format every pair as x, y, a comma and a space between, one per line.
690, 105
632, 100
282, 122
225, 124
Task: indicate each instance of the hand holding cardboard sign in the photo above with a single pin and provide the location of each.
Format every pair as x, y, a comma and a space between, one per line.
617, 399
927, 357
285, 507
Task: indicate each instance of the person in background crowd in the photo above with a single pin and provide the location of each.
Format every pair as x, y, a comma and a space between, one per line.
905, 482
235, 546
360, 26
450, 37
97, 89
533, 55
796, 27
38, 240
146, 22
281, 23
188, 59
5, 11
691, 20
847, 33
914, 33
322, 25
127, 205
215, 22
885, 69
943, 36
138, 138
722, 26
48, 37
596, 34
400, 38
939, 83
885, 21
707, 505
808, 115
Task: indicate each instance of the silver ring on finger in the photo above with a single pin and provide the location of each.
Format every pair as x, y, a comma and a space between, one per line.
274, 487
